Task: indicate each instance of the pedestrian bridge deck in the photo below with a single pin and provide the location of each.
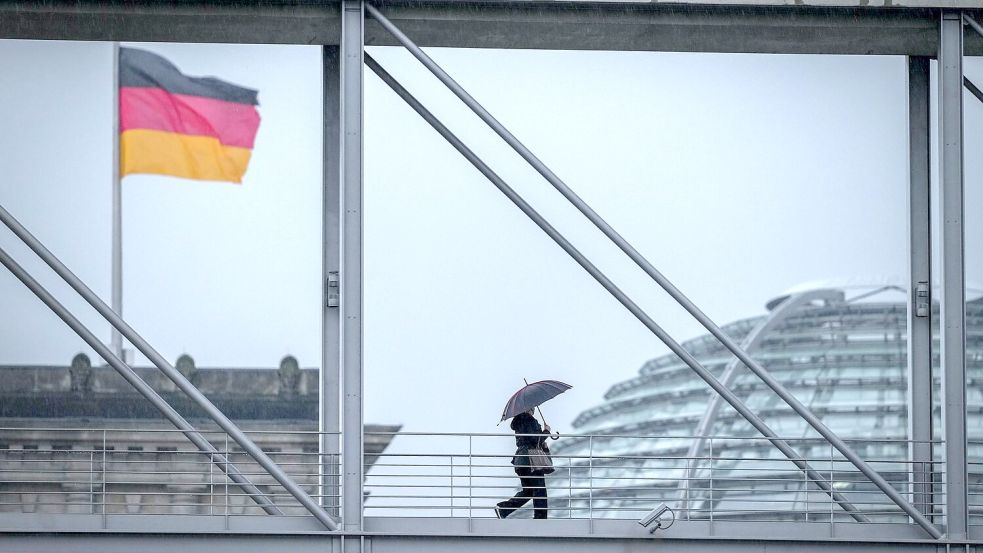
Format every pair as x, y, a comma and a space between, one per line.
440, 488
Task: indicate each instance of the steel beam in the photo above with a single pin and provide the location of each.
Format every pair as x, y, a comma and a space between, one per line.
975, 90
968, 19
217, 458
351, 264
330, 414
428, 533
953, 300
750, 343
618, 294
249, 22
116, 278
650, 270
566, 25
175, 376
440, 535
919, 286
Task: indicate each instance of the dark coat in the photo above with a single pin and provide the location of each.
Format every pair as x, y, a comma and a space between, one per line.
524, 423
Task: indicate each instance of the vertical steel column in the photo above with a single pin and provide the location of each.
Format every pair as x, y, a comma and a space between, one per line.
330, 415
953, 313
116, 339
351, 262
919, 286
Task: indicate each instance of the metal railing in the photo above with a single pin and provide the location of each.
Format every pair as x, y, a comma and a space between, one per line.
624, 477
157, 471
153, 471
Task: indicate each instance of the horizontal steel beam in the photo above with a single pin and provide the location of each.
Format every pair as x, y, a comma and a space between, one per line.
249, 22
590, 25
47, 532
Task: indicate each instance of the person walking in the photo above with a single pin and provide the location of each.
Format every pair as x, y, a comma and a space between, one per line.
529, 435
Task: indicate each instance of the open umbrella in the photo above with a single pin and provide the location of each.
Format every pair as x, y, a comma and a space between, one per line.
533, 395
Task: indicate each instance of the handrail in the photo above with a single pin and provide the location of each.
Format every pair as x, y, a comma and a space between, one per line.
566, 435
173, 374
441, 473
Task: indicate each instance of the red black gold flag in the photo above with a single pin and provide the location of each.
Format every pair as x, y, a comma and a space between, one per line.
171, 124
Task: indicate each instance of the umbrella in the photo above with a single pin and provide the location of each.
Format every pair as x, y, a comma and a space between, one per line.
533, 395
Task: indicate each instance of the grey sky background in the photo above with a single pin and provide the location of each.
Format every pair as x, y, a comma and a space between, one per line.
738, 176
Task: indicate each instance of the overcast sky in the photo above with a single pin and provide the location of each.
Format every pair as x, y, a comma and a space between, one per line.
738, 176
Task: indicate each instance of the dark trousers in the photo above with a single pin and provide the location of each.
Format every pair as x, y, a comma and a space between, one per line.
533, 487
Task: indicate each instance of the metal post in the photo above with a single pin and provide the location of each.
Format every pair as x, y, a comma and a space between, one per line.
805, 489
92, 482
173, 374
919, 286
470, 472
649, 269
132, 378
330, 422
117, 244
104, 521
605, 282
953, 313
226, 454
569, 487
351, 263
832, 482
590, 480
710, 485
688, 475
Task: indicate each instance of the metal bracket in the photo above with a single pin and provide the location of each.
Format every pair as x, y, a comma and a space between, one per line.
923, 304
333, 289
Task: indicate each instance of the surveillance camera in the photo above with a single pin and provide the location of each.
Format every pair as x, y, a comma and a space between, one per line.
653, 516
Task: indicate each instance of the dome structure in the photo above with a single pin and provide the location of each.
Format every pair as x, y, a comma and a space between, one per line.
842, 351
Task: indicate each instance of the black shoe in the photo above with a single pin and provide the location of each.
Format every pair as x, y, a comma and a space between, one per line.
502, 512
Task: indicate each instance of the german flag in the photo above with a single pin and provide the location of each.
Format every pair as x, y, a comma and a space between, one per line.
191, 127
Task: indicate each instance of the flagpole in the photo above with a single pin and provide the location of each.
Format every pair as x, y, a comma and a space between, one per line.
117, 276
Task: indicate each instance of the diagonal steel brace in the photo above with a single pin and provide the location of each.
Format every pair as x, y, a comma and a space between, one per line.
650, 270
173, 374
128, 374
603, 280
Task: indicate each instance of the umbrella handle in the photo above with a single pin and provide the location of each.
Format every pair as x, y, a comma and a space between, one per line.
554, 436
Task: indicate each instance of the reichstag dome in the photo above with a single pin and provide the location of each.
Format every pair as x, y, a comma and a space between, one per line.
841, 350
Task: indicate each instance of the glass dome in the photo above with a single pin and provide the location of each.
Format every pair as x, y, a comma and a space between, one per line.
841, 350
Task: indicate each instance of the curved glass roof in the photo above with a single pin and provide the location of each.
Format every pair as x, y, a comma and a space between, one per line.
841, 351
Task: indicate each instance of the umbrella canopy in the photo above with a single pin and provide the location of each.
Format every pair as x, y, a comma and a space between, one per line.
533, 395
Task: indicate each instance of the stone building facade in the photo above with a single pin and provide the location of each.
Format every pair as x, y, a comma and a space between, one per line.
80, 439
